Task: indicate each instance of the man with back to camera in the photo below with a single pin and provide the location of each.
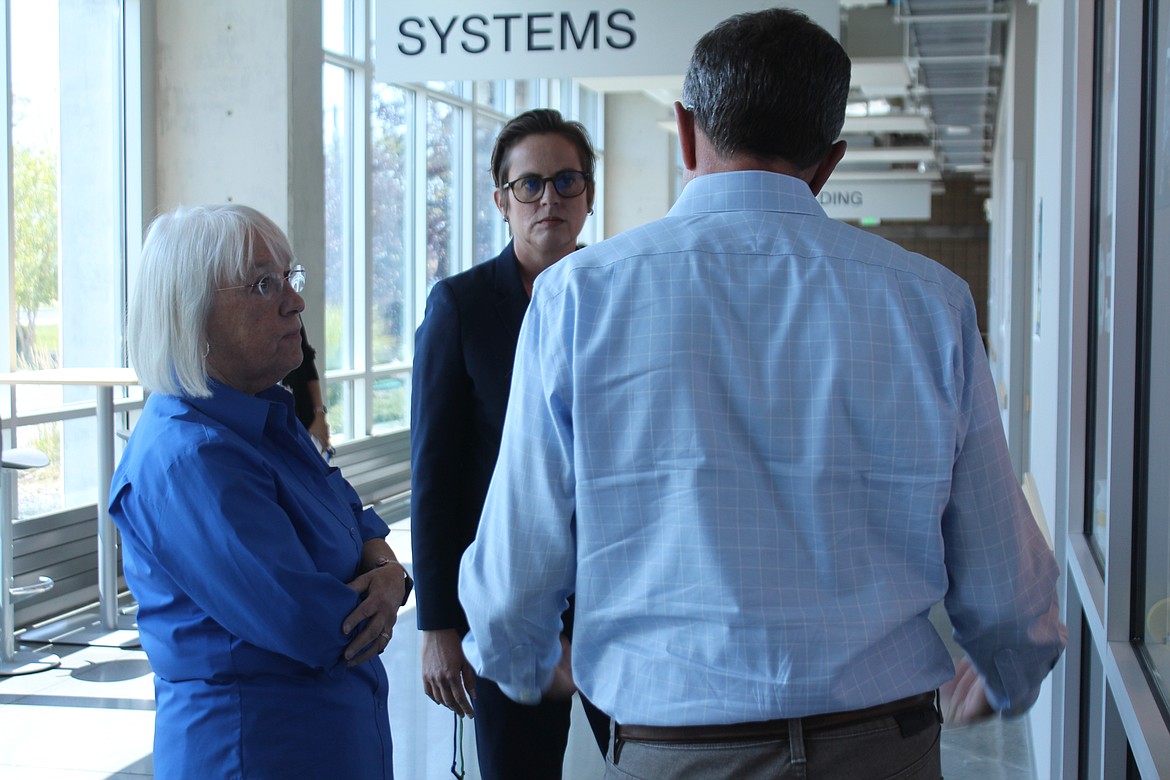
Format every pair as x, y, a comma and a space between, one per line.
759, 445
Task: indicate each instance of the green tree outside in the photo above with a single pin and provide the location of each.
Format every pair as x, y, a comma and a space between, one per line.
35, 218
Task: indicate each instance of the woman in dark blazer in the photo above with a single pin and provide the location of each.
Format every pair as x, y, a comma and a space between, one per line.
543, 170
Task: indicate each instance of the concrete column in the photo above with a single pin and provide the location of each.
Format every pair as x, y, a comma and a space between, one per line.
238, 117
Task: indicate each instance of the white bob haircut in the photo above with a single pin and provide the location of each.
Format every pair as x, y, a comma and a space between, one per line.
188, 254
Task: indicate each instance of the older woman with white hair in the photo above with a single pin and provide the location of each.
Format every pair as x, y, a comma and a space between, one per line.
265, 591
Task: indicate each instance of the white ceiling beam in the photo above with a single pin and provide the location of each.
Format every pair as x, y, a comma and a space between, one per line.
901, 18
890, 123
890, 174
889, 154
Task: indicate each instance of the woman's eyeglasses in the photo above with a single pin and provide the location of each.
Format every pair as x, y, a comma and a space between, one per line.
529, 189
271, 285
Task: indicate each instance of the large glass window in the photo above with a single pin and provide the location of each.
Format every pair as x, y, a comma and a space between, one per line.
443, 206
391, 152
392, 116
337, 25
68, 263
490, 229
337, 89
1154, 619
1102, 234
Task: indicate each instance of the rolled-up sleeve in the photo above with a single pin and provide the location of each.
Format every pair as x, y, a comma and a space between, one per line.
515, 579
1002, 598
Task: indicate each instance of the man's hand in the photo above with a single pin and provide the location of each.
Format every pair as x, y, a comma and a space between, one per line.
447, 677
964, 698
562, 685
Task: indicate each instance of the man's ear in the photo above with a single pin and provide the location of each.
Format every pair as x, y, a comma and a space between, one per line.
686, 135
824, 169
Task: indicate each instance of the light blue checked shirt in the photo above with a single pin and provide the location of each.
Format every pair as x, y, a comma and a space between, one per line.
758, 444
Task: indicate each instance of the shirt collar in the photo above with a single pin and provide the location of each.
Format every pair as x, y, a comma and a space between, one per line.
247, 415
746, 191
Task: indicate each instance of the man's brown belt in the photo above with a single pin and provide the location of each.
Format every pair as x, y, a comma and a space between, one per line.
768, 729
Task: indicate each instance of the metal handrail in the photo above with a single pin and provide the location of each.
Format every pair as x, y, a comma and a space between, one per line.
43, 585
14, 660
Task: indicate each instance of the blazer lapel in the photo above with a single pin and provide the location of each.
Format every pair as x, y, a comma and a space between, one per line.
511, 300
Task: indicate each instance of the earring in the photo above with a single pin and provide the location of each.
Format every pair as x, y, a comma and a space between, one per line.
505, 220
591, 211
206, 348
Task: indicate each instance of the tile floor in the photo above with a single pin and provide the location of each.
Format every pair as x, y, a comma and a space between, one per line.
93, 718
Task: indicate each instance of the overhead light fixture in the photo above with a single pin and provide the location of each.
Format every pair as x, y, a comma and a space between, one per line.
888, 154
842, 175
864, 108
977, 18
894, 123
957, 130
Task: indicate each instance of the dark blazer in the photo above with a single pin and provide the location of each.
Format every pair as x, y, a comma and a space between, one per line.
462, 373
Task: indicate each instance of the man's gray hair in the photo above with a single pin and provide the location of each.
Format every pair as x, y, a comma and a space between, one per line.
769, 84
188, 254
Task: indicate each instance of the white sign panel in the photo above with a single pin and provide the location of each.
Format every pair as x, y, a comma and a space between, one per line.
452, 40
869, 199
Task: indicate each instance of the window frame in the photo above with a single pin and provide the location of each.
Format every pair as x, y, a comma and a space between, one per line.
350, 390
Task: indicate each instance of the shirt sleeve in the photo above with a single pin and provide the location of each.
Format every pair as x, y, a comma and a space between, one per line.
373, 527
441, 404
370, 525
1002, 598
211, 523
517, 575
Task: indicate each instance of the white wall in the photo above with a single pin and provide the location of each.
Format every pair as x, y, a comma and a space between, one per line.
1052, 209
639, 161
1023, 311
1047, 249
1012, 258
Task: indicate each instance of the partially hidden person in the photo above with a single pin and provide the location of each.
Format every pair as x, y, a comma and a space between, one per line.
304, 382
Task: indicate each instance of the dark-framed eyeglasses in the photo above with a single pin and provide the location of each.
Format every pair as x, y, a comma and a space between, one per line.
529, 189
271, 285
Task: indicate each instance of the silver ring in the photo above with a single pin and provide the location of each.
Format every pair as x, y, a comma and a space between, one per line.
385, 636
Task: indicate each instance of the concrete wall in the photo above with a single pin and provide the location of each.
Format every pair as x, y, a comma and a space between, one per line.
222, 104
238, 117
639, 161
